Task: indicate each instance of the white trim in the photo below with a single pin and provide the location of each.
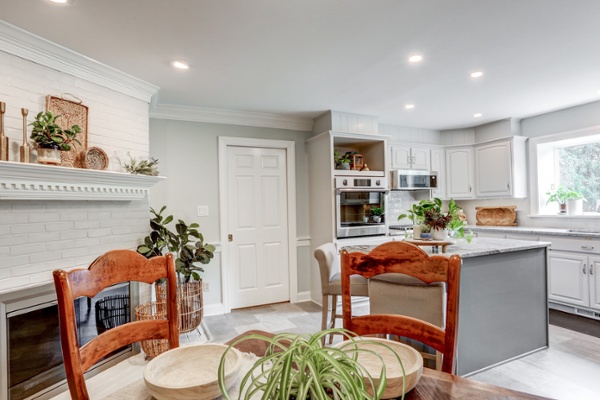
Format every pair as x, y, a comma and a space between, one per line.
303, 296
231, 117
214, 309
289, 146
26, 45
303, 241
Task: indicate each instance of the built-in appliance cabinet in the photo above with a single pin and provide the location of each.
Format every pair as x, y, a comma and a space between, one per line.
500, 168
460, 176
573, 273
405, 157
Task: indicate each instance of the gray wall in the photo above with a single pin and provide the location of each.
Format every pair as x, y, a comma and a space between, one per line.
188, 155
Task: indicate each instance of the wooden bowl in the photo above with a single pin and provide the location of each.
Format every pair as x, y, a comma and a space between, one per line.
411, 360
190, 373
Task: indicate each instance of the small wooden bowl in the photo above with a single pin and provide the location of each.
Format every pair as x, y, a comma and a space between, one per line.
190, 373
411, 360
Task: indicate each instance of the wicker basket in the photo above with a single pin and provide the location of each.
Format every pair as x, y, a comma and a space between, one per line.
189, 303
112, 311
149, 311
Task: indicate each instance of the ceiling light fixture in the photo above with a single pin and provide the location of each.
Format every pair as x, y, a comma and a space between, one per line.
60, 1
180, 64
415, 59
409, 106
477, 74
477, 115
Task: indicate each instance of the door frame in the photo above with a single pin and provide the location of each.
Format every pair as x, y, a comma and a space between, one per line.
290, 149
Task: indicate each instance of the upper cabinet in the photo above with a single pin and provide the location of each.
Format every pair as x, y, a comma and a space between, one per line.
371, 148
500, 168
411, 157
459, 173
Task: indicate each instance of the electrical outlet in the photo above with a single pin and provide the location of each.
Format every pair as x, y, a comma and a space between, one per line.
203, 211
205, 286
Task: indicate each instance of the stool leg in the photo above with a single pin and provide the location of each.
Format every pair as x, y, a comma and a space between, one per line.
324, 311
333, 315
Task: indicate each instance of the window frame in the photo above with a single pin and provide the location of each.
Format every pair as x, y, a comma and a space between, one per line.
534, 192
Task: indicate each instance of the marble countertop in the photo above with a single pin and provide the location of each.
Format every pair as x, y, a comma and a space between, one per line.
577, 233
477, 248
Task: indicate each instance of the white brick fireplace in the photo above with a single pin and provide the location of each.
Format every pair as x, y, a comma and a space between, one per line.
53, 218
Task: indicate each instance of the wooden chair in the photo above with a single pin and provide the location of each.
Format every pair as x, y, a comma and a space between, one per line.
405, 258
113, 267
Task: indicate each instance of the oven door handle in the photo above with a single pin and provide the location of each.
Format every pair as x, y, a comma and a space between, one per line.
359, 190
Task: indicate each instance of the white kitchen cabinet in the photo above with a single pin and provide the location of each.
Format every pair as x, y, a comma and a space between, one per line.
438, 165
594, 269
459, 173
568, 278
404, 157
500, 168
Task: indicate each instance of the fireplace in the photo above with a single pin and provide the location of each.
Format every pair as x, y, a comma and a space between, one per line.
31, 361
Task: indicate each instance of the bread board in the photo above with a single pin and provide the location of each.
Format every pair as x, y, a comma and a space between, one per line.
496, 216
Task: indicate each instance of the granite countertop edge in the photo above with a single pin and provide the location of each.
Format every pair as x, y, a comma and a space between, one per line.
534, 230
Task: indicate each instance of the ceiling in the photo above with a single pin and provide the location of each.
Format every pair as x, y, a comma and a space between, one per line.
300, 58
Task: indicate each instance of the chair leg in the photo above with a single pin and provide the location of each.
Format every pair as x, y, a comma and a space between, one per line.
438, 360
333, 315
324, 311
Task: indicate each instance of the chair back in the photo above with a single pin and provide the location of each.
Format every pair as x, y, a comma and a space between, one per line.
405, 258
111, 268
326, 256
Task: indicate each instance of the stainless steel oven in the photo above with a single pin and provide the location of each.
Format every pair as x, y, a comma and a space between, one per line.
357, 198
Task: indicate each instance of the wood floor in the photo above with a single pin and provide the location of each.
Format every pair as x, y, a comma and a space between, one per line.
568, 370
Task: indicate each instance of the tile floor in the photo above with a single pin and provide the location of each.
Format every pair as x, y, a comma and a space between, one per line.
568, 370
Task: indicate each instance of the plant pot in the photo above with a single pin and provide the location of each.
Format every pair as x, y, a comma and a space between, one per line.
376, 218
562, 208
49, 155
439, 234
575, 206
344, 166
416, 231
189, 303
425, 235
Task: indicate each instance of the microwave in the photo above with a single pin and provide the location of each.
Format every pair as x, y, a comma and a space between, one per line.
408, 179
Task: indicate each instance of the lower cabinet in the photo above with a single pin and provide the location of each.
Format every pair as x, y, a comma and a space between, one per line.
573, 279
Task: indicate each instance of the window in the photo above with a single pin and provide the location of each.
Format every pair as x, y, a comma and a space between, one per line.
571, 161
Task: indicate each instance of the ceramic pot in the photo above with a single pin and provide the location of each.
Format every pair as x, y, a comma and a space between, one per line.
439, 234
376, 218
575, 206
425, 235
562, 208
344, 166
49, 155
416, 231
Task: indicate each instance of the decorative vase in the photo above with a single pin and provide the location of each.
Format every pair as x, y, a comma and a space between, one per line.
189, 303
416, 231
439, 234
48, 154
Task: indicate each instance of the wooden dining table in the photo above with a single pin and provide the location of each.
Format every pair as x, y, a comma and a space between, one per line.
433, 385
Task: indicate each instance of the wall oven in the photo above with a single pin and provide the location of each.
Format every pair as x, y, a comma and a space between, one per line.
355, 199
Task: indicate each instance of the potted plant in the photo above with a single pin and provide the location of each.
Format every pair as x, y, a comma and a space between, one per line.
142, 167
458, 222
417, 215
341, 162
50, 138
561, 195
376, 214
188, 247
299, 367
425, 232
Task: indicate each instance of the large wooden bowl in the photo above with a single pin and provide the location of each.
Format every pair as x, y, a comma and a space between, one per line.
190, 373
411, 360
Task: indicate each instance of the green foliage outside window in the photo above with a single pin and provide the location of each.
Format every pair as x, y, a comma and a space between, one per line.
579, 168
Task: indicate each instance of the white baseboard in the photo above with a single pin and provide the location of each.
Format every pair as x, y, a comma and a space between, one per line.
214, 309
303, 296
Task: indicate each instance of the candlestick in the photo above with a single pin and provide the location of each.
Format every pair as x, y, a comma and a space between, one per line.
24, 147
3, 139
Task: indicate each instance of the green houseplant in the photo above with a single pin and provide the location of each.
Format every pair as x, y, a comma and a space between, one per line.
561, 195
142, 166
341, 162
376, 214
188, 247
50, 138
299, 367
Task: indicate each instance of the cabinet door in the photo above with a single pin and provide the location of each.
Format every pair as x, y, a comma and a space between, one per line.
420, 157
594, 273
459, 173
438, 164
493, 170
401, 157
568, 278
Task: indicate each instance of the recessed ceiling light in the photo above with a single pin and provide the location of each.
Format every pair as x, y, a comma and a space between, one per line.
409, 106
60, 1
180, 64
415, 59
476, 74
477, 115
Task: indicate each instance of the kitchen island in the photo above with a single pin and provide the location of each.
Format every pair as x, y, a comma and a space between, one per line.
503, 307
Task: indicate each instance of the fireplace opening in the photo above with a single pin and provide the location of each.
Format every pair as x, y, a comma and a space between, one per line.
34, 358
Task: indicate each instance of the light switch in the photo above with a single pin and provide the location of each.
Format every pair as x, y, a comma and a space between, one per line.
203, 211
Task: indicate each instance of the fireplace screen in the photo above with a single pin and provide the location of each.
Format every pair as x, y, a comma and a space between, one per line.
34, 353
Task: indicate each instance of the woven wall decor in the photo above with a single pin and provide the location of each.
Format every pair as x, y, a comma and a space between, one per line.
95, 158
71, 113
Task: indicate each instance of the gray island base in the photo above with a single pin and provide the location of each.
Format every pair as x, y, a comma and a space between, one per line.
503, 309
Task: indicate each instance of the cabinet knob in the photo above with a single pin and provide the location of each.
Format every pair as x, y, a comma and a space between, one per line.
584, 269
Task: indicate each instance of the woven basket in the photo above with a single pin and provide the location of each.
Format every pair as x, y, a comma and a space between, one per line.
189, 303
150, 311
112, 311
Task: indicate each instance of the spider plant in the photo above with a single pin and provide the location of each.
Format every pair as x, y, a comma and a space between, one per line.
297, 367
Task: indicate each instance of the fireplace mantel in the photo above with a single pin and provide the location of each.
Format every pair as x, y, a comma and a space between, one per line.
20, 181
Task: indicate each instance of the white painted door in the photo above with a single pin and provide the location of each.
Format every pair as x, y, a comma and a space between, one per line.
568, 278
401, 157
420, 157
493, 170
594, 270
459, 173
257, 209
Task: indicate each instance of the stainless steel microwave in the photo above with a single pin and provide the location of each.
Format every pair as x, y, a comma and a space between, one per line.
408, 179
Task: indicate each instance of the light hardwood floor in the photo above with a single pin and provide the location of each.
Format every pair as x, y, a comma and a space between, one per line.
568, 370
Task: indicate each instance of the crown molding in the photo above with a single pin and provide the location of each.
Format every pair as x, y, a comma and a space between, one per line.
26, 45
231, 117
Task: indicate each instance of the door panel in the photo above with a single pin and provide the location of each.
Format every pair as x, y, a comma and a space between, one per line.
568, 282
595, 282
257, 207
